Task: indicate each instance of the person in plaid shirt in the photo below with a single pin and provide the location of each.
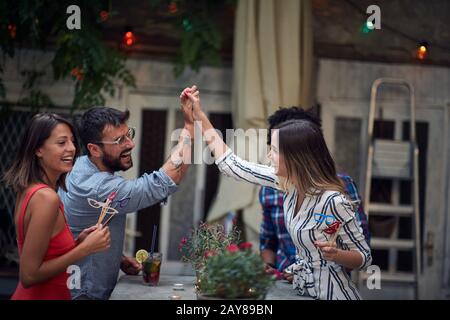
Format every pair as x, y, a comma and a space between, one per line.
277, 249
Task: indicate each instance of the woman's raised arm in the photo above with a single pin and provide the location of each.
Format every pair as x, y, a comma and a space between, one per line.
227, 162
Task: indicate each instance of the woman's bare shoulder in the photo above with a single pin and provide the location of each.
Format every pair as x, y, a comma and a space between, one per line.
44, 198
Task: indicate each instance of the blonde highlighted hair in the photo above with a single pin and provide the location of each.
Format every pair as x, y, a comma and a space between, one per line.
309, 164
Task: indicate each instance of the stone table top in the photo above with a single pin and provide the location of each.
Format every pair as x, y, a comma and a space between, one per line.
132, 288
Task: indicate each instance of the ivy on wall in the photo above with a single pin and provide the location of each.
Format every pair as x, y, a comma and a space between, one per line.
82, 56
198, 24
79, 55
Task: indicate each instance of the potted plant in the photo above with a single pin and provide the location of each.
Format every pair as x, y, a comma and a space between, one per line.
204, 241
236, 273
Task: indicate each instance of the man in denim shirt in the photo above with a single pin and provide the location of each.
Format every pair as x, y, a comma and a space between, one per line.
109, 141
276, 246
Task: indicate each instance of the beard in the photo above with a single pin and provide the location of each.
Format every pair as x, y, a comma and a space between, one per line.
115, 163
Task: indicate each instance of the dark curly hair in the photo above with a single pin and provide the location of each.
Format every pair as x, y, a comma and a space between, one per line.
291, 113
93, 121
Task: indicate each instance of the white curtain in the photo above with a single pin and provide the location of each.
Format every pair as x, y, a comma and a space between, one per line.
272, 67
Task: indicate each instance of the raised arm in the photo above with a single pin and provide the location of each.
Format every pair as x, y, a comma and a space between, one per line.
179, 159
227, 162
155, 187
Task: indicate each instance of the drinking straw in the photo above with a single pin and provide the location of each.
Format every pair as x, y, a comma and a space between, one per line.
155, 230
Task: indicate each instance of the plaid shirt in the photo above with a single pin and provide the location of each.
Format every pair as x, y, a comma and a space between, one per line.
275, 237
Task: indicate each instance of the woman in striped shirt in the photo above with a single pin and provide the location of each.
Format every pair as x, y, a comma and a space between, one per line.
314, 199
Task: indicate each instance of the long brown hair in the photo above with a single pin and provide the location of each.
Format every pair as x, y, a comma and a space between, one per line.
25, 168
306, 156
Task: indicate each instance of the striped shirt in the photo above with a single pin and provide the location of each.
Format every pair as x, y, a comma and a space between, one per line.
313, 275
273, 234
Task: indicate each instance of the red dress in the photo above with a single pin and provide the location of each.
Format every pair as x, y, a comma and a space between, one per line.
56, 287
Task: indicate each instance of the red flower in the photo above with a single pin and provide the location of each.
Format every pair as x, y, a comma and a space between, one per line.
182, 243
77, 73
232, 248
245, 245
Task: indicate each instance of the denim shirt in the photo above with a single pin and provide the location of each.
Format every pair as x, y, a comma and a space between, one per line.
99, 271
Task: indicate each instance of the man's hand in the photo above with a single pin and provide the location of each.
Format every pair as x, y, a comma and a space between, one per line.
187, 108
187, 105
289, 276
194, 98
269, 269
130, 266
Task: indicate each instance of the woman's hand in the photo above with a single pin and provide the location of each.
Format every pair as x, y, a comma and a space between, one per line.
194, 97
97, 241
83, 234
350, 259
186, 104
329, 250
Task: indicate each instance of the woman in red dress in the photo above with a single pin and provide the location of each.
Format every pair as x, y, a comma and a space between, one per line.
46, 245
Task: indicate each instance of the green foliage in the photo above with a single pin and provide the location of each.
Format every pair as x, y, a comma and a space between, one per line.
204, 241
235, 273
95, 69
34, 98
198, 25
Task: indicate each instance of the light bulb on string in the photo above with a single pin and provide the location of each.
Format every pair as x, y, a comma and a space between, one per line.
422, 51
129, 38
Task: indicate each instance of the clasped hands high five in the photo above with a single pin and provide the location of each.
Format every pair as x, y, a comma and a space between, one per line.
190, 104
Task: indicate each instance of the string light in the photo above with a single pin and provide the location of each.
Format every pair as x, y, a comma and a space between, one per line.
187, 25
12, 30
129, 39
367, 27
173, 8
422, 51
104, 15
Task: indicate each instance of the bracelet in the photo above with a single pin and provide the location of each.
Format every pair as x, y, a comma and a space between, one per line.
177, 162
187, 141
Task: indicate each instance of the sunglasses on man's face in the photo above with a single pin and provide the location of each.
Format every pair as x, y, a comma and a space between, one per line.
121, 140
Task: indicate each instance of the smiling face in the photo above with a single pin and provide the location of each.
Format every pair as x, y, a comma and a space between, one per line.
276, 159
57, 154
117, 157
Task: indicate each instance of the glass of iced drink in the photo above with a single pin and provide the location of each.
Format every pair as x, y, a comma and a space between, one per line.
151, 269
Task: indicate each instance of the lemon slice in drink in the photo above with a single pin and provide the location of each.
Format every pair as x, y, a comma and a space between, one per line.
141, 255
